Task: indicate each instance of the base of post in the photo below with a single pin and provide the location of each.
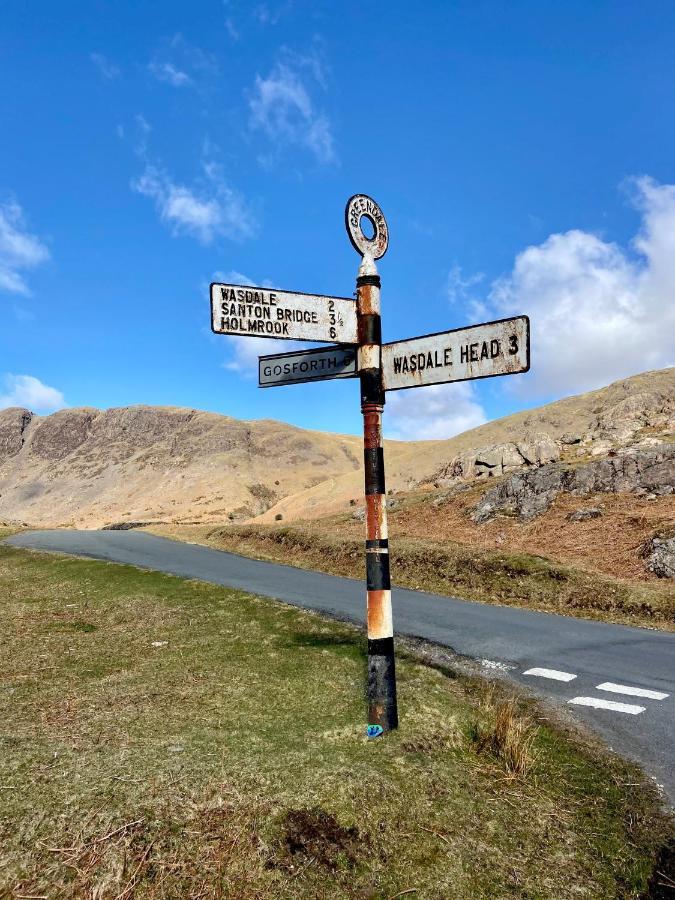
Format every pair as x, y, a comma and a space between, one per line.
382, 706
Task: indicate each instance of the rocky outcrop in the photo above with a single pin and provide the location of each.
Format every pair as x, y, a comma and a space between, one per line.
62, 432
659, 553
538, 449
649, 470
13, 424
647, 409
500, 459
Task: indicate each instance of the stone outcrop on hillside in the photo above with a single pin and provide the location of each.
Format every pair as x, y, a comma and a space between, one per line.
659, 553
646, 470
639, 418
621, 421
500, 459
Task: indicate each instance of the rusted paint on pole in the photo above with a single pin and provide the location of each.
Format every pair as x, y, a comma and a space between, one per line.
381, 687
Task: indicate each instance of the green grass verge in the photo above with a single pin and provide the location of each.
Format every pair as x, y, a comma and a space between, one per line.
511, 579
167, 738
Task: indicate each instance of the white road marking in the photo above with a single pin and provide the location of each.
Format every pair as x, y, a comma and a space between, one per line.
597, 703
551, 673
631, 691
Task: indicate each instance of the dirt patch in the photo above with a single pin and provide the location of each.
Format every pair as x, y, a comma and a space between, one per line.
314, 834
662, 882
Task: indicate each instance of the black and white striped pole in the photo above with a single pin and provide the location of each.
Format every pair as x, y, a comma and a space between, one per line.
381, 687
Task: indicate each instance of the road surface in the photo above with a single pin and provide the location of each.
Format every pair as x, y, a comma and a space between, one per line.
618, 680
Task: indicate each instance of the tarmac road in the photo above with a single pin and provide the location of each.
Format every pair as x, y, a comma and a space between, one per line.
618, 680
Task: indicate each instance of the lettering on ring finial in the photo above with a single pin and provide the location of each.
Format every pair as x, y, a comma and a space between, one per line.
360, 207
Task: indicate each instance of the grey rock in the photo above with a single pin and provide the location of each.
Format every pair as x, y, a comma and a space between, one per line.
538, 449
647, 408
13, 424
530, 493
659, 553
569, 439
601, 448
491, 457
511, 457
581, 515
359, 514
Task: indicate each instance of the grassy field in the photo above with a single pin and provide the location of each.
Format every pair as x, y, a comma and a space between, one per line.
510, 578
168, 739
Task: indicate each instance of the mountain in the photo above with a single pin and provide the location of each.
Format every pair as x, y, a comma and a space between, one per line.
89, 468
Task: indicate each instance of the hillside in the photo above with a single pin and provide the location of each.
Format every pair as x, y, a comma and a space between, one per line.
90, 468
602, 419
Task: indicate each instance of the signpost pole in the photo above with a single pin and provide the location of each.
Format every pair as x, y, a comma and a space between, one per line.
463, 354
382, 707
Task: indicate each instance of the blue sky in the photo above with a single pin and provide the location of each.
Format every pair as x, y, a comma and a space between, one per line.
523, 154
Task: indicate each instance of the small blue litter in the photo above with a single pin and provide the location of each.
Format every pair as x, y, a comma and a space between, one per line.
374, 730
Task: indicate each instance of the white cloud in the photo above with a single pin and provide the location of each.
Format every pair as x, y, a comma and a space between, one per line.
599, 312
433, 412
232, 29
246, 350
460, 290
18, 249
30, 392
282, 108
107, 69
205, 211
168, 73
266, 15
181, 64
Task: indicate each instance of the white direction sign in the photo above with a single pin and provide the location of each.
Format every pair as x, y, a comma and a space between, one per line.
480, 351
306, 365
265, 312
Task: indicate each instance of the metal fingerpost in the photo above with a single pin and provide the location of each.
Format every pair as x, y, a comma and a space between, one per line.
381, 688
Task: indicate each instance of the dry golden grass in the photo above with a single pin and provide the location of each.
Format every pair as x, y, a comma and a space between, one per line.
609, 545
510, 737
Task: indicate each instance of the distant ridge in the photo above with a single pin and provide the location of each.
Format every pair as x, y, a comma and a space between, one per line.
89, 468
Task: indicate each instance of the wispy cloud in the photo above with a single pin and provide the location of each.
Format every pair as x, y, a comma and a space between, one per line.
281, 106
239, 15
107, 69
231, 28
206, 210
461, 290
181, 64
19, 249
168, 73
271, 14
31, 393
434, 412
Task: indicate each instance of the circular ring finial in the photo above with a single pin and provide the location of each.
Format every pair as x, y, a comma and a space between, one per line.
360, 207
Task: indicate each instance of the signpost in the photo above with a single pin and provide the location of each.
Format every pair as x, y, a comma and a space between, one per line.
307, 365
479, 351
261, 312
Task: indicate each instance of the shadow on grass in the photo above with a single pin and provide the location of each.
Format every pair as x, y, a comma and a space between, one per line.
356, 643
